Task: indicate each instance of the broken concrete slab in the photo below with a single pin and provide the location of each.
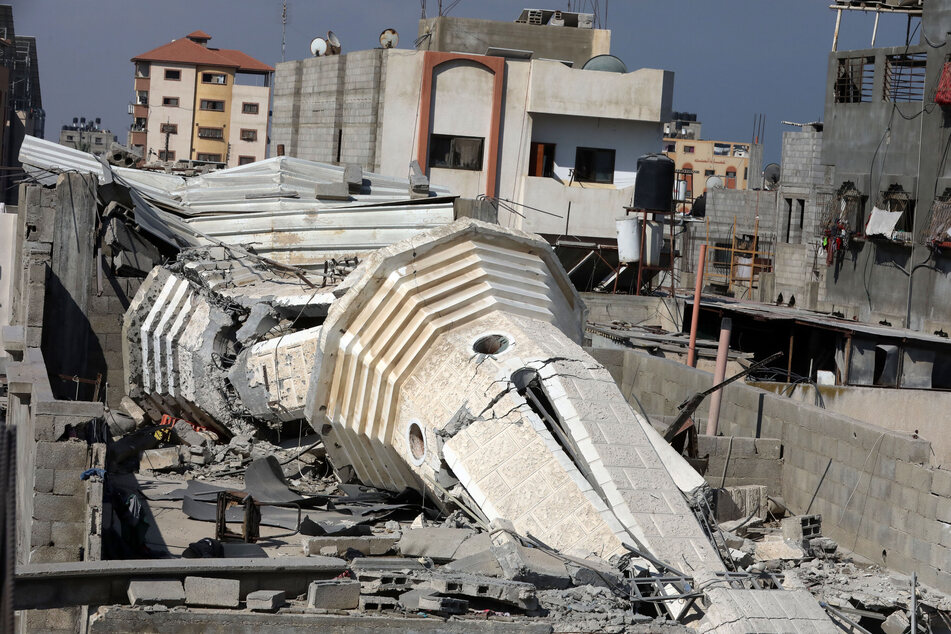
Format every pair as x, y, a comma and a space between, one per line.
212, 592
168, 592
520, 563
334, 594
482, 563
740, 502
161, 459
514, 593
439, 543
443, 605
265, 600
369, 545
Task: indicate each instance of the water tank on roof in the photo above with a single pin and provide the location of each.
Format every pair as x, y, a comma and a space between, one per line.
654, 186
606, 63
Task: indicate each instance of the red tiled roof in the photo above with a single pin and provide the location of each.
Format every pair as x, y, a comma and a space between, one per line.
199, 35
244, 61
185, 51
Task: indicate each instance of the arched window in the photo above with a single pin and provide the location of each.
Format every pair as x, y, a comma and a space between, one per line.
688, 176
731, 178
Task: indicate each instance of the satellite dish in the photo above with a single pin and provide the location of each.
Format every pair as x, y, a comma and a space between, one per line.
318, 47
771, 176
334, 42
714, 182
389, 38
606, 63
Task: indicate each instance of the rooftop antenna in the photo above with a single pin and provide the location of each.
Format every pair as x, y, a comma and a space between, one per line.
283, 30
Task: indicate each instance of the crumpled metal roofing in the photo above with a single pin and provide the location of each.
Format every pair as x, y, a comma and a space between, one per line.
269, 205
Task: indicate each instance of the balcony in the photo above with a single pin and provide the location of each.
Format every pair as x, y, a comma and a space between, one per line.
643, 95
593, 209
142, 83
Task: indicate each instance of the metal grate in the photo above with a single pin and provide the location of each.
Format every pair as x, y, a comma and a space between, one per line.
854, 82
905, 77
939, 224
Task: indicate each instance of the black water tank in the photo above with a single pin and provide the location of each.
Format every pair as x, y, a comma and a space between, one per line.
654, 188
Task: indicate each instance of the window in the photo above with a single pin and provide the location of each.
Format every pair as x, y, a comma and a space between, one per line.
212, 104
98, 140
249, 135
854, 81
142, 69
173, 74
211, 133
741, 151
688, 176
166, 155
746, 173
688, 149
214, 78
905, 77
593, 165
721, 149
896, 199
456, 152
210, 158
541, 162
709, 172
670, 147
70, 137
802, 212
142, 97
731, 178
170, 101
244, 160
169, 128
249, 108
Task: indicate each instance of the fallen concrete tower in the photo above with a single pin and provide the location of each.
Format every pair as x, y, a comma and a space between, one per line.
450, 363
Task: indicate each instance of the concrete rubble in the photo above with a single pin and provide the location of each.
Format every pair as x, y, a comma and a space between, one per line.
409, 431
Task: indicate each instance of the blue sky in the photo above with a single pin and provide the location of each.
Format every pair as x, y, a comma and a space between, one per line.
732, 59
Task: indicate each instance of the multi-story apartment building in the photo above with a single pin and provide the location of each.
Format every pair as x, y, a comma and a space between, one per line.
200, 104
697, 160
87, 136
533, 114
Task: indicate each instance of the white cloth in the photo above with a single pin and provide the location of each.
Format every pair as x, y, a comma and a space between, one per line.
882, 222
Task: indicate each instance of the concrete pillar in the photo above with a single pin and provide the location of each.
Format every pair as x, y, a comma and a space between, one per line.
726, 328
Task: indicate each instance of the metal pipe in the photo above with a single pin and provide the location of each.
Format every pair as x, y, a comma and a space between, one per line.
697, 286
835, 36
914, 603
723, 349
878, 14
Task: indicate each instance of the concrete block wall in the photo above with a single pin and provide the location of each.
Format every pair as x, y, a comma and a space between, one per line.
327, 108
877, 490
740, 460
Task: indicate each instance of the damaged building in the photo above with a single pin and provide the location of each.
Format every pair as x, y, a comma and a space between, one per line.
298, 395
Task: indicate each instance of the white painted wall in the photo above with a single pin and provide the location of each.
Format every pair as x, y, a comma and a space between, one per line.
183, 115
400, 118
251, 94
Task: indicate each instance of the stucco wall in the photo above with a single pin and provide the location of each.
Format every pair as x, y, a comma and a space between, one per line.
239, 120
181, 115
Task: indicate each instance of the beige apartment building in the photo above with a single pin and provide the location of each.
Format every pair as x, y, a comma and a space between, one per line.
200, 104
706, 158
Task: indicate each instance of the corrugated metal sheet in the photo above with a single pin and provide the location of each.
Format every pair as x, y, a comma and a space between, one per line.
269, 205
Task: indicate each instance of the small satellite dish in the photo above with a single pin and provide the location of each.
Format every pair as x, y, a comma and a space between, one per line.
389, 38
605, 63
714, 182
318, 47
771, 176
334, 42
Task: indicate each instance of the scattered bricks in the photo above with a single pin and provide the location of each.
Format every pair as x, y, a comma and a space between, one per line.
212, 592
334, 594
376, 603
443, 605
369, 545
801, 528
200, 455
265, 600
514, 593
163, 592
132, 409
160, 459
896, 623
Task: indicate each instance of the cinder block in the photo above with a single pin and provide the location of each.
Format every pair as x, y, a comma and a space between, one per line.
265, 600
67, 482
941, 483
43, 480
51, 507
40, 533
334, 594
156, 591
61, 455
212, 592
68, 534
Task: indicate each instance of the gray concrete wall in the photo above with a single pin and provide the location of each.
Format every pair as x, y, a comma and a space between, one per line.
855, 143
469, 35
640, 310
877, 490
740, 461
329, 107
